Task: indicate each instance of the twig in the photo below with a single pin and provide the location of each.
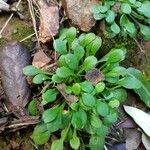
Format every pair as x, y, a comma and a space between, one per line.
27, 37
140, 47
105, 147
6, 23
33, 19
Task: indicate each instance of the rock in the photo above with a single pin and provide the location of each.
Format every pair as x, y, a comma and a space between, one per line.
79, 12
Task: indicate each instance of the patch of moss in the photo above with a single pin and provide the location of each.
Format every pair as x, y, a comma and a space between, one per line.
2, 42
22, 31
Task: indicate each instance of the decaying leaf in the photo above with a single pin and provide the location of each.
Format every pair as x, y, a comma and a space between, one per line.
133, 139
79, 12
13, 58
146, 141
94, 76
68, 97
141, 118
118, 146
126, 123
49, 21
40, 59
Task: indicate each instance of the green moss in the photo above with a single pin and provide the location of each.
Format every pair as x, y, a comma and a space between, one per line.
22, 31
2, 42
129, 43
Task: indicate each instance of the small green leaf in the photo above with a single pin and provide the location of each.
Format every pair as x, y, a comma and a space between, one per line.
114, 103
55, 125
82, 105
50, 114
117, 72
68, 89
114, 56
57, 145
138, 4
76, 88
87, 86
95, 121
40, 134
115, 28
96, 44
110, 16
79, 52
120, 94
79, 119
102, 109
126, 8
100, 87
61, 61
144, 90
31, 70
56, 79
88, 39
39, 78
99, 16
74, 106
132, 1
62, 34
32, 108
71, 35
103, 9
49, 96
145, 31
64, 72
88, 99
144, 8
89, 63
130, 82
71, 61
75, 141
81, 38
96, 9
129, 27
97, 142
111, 118
60, 46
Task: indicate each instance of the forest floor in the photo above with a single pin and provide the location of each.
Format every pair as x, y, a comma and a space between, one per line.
24, 27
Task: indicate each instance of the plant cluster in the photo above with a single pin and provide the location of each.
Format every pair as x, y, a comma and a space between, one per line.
127, 17
82, 96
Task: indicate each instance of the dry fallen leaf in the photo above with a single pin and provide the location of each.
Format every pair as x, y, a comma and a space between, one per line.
13, 58
94, 76
40, 59
79, 12
68, 97
126, 123
118, 146
133, 138
146, 141
141, 118
49, 21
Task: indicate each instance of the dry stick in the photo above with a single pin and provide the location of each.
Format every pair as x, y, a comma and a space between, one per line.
105, 147
27, 37
6, 23
138, 44
33, 19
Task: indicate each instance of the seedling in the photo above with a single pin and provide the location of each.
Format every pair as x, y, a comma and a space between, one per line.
125, 17
90, 91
